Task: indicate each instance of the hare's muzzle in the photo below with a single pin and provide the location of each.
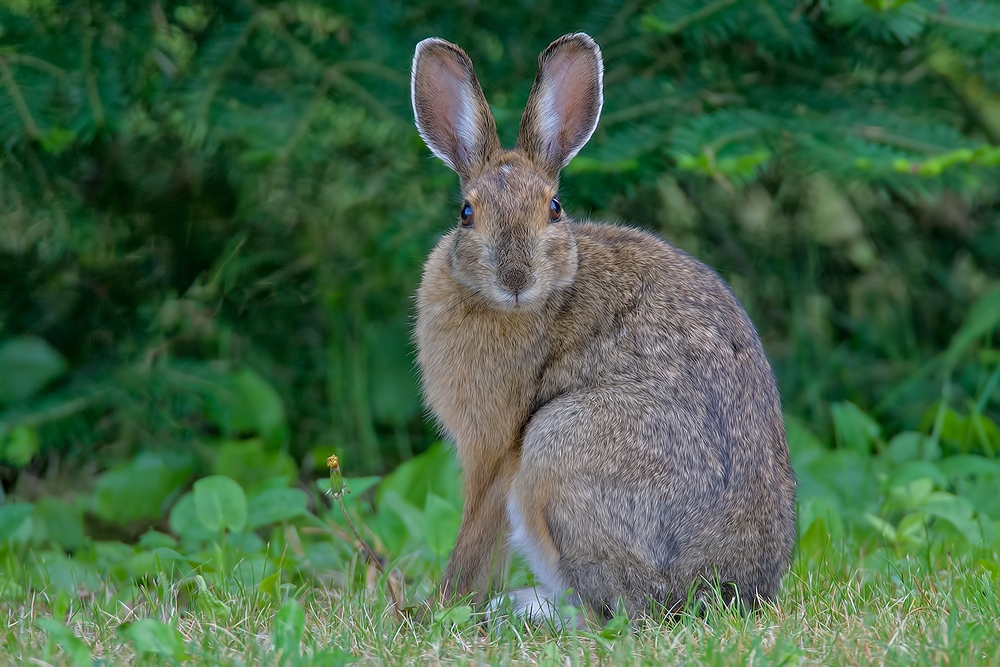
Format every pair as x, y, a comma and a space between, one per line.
515, 279
513, 257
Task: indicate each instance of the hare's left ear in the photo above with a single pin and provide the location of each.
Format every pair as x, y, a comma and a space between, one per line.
565, 102
450, 109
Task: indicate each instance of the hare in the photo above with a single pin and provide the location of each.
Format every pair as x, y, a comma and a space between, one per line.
610, 402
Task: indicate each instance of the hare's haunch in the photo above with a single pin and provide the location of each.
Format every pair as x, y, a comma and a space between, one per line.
610, 402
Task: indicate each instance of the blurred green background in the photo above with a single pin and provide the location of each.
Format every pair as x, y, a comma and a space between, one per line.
213, 217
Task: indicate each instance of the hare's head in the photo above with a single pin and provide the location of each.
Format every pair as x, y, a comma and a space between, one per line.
513, 245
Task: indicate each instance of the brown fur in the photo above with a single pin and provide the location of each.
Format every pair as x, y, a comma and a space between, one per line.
609, 399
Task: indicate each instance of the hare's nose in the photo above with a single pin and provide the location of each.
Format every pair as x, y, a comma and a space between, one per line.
516, 280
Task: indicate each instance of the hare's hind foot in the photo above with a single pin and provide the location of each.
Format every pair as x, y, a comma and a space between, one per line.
536, 607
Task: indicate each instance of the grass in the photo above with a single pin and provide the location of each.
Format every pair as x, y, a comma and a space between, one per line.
836, 609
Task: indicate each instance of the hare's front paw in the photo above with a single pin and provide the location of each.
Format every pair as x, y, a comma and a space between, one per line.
535, 606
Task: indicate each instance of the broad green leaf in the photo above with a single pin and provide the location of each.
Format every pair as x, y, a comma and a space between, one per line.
140, 488
454, 615
249, 462
246, 403
882, 526
274, 505
153, 539
208, 602
58, 522
912, 494
27, 364
908, 446
848, 476
957, 430
958, 513
913, 470
252, 570
992, 568
246, 541
269, 585
913, 529
988, 529
12, 517
816, 539
968, 465
800, 438
20, 445
184, 521
981, 491
289, 624
220, 503
820, 508
56, 572
441, 522
855, 430
75, 647
151, 635
279, 482
325, 557
616, 628
398, 522
434, 471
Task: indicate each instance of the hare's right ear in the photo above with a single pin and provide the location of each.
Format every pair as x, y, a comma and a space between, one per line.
565, 102
449, 107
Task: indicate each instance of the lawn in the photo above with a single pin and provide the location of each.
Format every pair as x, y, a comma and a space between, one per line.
275, 575
835, 609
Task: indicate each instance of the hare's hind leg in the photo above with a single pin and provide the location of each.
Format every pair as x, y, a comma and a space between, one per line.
530, 536
599, 505
547, 602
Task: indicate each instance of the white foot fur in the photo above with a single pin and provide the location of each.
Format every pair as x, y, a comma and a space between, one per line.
535, 606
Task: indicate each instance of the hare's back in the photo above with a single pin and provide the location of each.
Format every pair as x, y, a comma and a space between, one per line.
658, 440
666, 313
646, 318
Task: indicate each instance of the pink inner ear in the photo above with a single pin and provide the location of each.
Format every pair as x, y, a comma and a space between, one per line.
569, 96
570, 90
448, 121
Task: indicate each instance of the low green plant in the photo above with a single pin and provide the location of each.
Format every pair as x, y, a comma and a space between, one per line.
232, 523
871, 504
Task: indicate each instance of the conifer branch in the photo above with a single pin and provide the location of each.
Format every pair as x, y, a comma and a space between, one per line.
674, 27
30, 127
37, 63
93, 96
880, 135
952, 22
219, 75
334, 73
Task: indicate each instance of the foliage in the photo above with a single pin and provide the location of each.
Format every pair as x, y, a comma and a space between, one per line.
212, 220
190, 190
880, 528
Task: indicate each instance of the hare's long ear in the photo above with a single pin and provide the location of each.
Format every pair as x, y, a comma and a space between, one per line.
450, 109
565, 102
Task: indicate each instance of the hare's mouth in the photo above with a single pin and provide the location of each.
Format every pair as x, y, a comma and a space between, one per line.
524, 300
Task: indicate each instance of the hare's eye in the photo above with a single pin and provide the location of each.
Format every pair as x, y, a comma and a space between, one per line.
555, 210
466, 214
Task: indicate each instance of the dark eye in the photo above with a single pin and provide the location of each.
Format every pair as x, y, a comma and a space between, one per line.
466, 214
555, 210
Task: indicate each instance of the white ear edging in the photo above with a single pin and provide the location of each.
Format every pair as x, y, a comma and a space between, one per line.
550, 121
449, 109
